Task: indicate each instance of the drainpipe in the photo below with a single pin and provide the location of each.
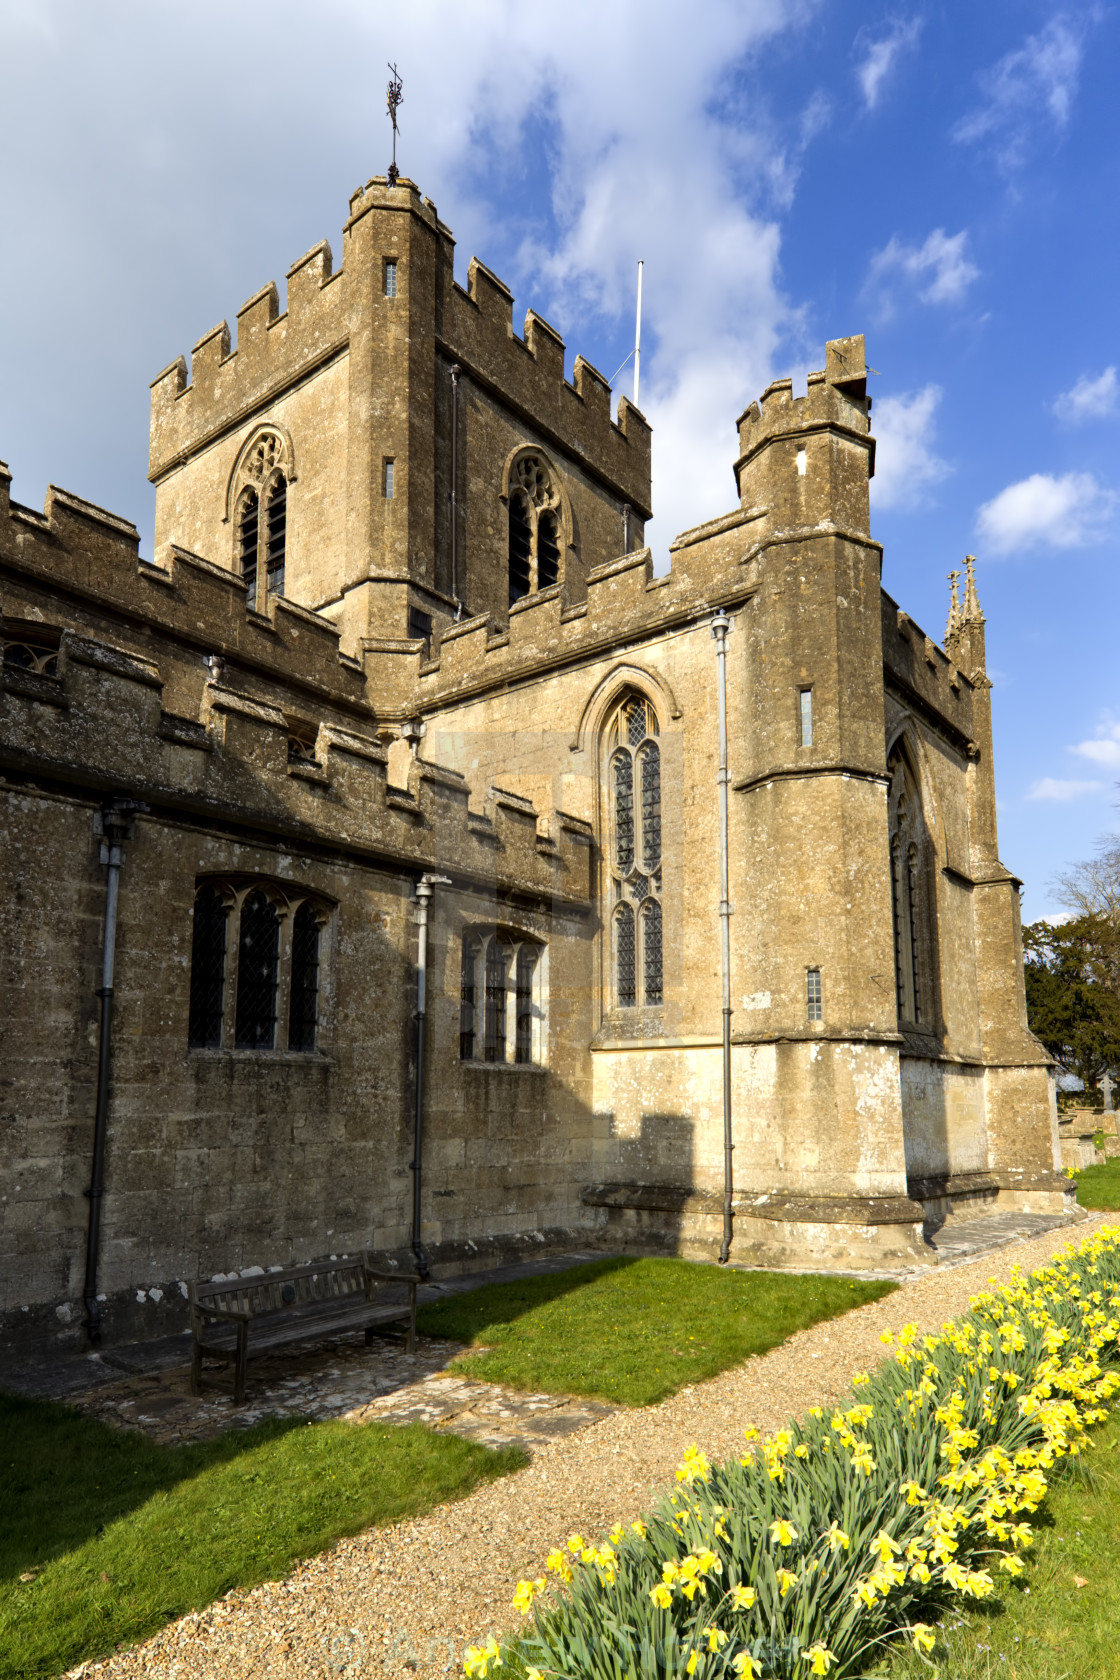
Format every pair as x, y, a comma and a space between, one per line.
455, 371
114, 828
424, 889
721, 625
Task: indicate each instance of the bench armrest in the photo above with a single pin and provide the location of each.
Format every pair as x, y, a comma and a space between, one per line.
201, 1310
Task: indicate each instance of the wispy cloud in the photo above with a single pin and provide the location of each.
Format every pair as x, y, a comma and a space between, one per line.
906, 466
939, 270
881, 54
1033, 86
1049, 787
1047, 512
1104, 748
1089, 399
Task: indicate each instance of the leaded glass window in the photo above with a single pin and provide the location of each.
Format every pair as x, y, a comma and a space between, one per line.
814, 1000
501, 1002
496, 979
303, 1009
625, 963
535, 543
258, 975
208, 970
634, 855
911, 898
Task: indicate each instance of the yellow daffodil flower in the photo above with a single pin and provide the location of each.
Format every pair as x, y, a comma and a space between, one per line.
820, 1659
782, 1533
742, 1598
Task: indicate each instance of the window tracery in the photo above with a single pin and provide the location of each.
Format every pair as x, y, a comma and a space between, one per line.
535, 527
259, 496
633, 855
255, 966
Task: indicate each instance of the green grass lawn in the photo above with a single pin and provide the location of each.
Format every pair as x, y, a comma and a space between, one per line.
1099, 1187
118, 1535
633, 1331
1046, 1626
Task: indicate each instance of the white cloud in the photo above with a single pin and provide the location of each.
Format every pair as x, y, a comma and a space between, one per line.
1047, 512
881, 56
1035, 82
905, 464
1104, 748
1051, 788
939, 268
556, 154
1089, 399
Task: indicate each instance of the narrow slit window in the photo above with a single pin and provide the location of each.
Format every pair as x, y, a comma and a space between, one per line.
258, 955
813, 993
912, 897
467, 1001
495, 1035
277, 537
388, 478
208, 970
420, 629
303, 1012
806, 717
520, 548
248, 533
390, 277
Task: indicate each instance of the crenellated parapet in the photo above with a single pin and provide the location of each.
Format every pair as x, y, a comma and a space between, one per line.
273, 352
94, 556
810, 458
99, 723
476, 330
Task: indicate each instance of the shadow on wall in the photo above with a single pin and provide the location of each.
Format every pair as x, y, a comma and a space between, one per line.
651, 1179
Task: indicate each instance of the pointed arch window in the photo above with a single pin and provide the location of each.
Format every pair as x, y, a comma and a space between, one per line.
911, 908
535, 529
259, 496
502, 998
634, 855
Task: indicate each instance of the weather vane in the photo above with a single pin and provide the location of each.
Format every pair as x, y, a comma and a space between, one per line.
395, 100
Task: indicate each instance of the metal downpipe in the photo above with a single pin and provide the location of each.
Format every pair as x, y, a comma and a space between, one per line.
115, 828
721, 625
424, 890
454, 497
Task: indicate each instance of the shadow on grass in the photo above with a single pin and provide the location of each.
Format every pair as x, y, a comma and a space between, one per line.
634, 1331
105, 1535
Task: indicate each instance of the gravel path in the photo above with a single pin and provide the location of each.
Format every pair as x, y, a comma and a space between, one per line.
404, 1601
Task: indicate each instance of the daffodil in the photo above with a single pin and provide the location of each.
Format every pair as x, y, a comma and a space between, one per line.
837, 1538
923, 1636
661, 1595
819, 1659
742, 1598
746, 1666
479, 1658
716, 1638
786, 1580
782, 1533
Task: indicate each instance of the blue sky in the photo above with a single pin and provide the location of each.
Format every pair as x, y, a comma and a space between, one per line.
941, 177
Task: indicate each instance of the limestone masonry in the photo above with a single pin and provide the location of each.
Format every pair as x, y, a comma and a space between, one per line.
401, 623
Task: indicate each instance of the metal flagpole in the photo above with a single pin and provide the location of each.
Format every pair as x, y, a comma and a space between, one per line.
638, 337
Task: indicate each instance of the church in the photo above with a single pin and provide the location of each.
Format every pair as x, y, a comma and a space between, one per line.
364, 848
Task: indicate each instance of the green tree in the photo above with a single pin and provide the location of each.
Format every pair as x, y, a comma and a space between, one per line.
1073, 992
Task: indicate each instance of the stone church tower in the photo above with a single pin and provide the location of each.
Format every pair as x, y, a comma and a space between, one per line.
400, 623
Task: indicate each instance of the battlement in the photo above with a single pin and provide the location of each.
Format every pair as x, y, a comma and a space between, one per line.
788, 455
328, 312
476, 330
94, 555
100, 724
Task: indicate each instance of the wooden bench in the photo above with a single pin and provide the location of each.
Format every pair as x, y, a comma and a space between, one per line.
300, 1304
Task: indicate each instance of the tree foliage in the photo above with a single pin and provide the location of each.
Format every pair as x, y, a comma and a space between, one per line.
1072, 977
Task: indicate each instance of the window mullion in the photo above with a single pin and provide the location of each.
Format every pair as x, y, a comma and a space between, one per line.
233, 951
284, 977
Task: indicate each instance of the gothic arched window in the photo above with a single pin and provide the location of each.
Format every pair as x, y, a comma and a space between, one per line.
259, 494
910, 895
535, 541
634, 855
